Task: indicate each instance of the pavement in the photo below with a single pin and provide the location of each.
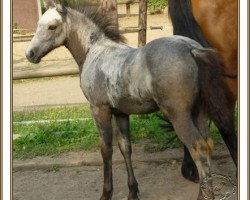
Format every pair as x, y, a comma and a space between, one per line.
30, 93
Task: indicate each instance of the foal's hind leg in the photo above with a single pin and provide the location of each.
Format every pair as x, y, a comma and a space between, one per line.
198, 147
189, 169
103, 116
123, 136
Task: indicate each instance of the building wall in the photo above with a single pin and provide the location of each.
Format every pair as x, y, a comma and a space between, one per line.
26, 14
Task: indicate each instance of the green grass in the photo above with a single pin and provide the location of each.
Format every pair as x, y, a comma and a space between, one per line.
66, 112
57, 137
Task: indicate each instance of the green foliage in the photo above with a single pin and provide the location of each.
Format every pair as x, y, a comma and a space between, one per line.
42, 6
56, 137
156, 6
17, 29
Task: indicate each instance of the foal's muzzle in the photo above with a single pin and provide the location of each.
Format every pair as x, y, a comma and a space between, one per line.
31, 56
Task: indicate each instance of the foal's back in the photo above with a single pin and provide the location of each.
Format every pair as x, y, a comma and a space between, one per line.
136, 81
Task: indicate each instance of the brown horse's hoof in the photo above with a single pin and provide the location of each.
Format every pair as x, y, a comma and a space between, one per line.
189, 171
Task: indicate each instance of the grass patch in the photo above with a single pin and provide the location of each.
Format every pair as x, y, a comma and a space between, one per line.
66, 112
57, 137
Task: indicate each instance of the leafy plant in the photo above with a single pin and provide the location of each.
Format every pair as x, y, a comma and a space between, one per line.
17, 29
156, 6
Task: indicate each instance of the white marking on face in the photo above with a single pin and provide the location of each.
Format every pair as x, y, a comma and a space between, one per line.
47, 39
50, 15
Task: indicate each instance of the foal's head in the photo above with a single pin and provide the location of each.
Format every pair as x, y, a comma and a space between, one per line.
50, 33
61, 19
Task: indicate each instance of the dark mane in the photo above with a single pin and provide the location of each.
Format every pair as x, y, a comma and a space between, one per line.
106, 24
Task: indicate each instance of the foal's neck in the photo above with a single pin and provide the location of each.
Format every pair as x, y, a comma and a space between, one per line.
82, 34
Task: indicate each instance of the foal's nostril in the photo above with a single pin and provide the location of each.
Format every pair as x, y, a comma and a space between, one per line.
31, 54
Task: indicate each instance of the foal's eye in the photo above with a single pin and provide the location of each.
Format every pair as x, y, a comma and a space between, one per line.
52, 27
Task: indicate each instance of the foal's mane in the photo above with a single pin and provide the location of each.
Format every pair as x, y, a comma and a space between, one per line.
106, 24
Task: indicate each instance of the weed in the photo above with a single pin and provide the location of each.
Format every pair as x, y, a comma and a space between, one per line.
53, 168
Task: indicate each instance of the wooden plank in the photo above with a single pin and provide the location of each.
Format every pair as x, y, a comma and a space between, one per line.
129, 30
127, 1
44, 73
47, 68
22, 38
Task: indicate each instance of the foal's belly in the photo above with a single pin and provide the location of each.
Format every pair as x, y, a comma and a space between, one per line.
132, 106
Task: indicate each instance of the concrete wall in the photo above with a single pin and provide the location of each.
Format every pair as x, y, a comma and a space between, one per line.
26, 14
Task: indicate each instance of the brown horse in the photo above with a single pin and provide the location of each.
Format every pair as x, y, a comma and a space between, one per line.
213, 24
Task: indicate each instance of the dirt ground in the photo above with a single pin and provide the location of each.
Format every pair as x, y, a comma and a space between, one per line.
78, 175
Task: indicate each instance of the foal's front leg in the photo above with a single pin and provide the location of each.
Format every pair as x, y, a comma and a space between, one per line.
103, 116
123, 136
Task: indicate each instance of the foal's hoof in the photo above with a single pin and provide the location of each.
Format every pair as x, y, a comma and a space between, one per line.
206, 196
105, 198
190, 172
133, 197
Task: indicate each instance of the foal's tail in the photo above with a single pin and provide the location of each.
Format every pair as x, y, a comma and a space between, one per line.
215, 94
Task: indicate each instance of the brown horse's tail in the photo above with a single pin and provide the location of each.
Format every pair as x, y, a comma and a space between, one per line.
215, 94
180, 12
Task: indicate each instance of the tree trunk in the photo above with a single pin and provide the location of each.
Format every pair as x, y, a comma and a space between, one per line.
109, 8
142, 23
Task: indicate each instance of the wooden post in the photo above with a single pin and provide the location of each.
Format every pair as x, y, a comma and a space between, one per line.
109, 8
142, 23
128, 9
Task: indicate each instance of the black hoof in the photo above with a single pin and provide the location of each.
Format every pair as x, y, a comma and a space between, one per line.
133, 197
105, 198
134, 191
190, 172
106, 195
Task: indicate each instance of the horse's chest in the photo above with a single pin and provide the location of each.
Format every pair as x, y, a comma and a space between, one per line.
93, 85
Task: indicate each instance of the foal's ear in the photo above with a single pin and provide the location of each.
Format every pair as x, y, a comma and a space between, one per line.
58, 4
49, 4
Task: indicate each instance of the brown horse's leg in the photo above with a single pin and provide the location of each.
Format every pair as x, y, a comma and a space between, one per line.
188, 169
123, 136
103, 116
227, 131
